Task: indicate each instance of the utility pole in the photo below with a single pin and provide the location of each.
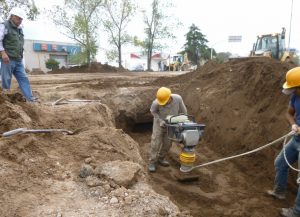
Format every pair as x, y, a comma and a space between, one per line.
290, 25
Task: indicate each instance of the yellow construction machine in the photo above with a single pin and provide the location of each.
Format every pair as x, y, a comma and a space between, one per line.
179, 62
273, 46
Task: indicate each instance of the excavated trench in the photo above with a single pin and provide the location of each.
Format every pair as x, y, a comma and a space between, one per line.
191, 196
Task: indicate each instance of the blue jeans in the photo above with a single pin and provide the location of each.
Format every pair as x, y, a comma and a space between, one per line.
16, 68
292, 149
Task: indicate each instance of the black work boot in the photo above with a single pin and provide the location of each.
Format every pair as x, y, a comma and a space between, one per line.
152, 167
288, 212
277, 193
163, 162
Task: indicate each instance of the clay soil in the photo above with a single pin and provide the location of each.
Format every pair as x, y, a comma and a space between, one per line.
240, 102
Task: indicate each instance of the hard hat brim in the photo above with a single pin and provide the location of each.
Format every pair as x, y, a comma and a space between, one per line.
286, 86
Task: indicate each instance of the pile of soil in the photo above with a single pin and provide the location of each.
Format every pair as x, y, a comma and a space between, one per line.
94, 67
240, 101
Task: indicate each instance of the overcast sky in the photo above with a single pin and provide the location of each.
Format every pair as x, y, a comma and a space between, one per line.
217, 19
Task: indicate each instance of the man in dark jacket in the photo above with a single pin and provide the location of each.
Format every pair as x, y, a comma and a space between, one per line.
11, 49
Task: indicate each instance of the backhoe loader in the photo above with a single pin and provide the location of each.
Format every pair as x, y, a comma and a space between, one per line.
179, 62
273, 46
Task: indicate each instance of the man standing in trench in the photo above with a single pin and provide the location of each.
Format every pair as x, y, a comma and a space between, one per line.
11, 49
292, 148
164, 105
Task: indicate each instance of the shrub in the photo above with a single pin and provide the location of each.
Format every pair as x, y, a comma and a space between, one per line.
52, 64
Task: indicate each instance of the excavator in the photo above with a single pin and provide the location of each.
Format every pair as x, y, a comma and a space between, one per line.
273, 46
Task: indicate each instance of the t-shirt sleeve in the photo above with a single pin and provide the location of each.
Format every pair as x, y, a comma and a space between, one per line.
154, 110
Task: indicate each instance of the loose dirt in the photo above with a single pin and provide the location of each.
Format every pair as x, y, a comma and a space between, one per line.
102, 169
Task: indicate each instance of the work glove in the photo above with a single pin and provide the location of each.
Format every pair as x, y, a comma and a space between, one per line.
162, 123
295, 128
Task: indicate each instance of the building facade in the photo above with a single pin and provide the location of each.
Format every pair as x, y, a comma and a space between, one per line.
37, 52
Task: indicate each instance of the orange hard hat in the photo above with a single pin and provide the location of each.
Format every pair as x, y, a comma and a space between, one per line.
292, 78
163, 95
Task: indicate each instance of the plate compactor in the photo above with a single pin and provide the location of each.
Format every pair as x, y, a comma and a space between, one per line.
182, 129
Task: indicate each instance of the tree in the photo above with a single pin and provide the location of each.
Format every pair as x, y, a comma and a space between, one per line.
118, 14
158, 26
79, 19
195, 46
28, 6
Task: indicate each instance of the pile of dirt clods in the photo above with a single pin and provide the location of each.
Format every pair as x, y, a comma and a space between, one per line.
94, 171
94, 67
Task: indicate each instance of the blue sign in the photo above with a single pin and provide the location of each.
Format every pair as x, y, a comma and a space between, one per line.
70, 49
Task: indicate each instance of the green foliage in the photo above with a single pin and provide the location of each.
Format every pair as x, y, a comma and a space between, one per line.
116, 18
77, 59
158, 26
138, 43
52, 64
28, 6
195, 46
79, 19
223, 57
111, 54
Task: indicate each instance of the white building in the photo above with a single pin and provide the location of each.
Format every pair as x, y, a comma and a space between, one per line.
37, 52
138, 62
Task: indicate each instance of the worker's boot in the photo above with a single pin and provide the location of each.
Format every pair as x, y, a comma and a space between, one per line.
277, 193
288, 212
163, 162
152, 167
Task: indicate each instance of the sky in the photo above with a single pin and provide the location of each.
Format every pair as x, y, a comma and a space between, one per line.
216, 19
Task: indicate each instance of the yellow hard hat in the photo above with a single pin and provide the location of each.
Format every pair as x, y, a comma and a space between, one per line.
163, 95
292, 78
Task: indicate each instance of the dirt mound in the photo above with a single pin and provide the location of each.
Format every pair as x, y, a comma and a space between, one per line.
95, 67
41, 174
242, 98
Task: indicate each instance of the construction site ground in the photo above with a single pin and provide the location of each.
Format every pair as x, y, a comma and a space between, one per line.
101, 170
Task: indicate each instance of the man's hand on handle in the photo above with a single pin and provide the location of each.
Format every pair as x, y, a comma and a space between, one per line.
162, 123
296, 128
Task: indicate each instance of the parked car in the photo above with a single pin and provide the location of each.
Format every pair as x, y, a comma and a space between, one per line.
138, 68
